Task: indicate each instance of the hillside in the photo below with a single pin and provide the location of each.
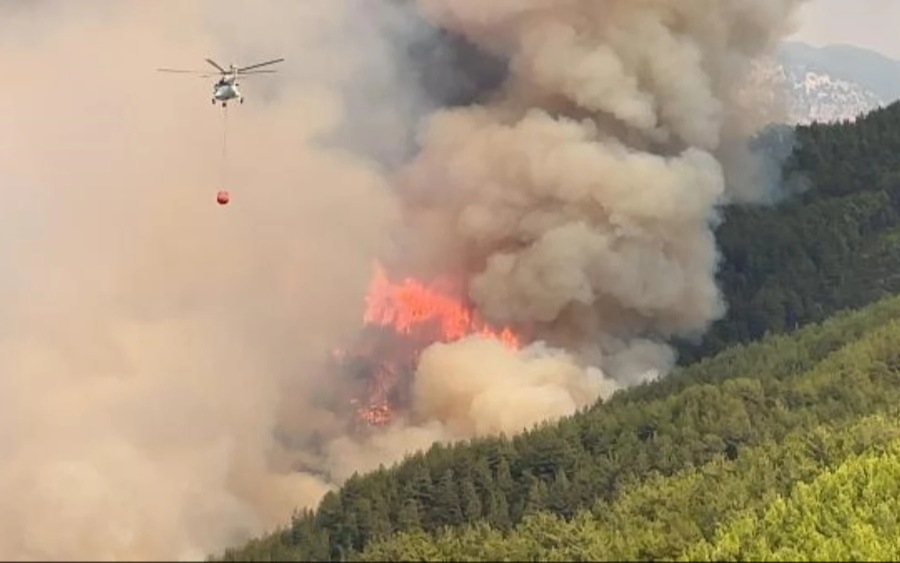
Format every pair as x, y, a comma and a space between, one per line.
869, 69
834, 82
833, 247
715, 436
695, 515
784, 270
815, 94
844, 514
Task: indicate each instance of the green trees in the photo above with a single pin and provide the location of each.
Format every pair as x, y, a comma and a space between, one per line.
653, 472
723, 510
832, 248
851, 513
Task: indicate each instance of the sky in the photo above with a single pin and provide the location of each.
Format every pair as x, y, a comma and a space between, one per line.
871, 23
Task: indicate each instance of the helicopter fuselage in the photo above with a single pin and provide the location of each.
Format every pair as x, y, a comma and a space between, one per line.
227, 89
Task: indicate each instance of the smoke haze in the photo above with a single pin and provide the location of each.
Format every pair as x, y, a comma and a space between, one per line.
160, 357
147, 334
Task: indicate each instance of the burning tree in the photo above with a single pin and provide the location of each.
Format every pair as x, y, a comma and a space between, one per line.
401, 319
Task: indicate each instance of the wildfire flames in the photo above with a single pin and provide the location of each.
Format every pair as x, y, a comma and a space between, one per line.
401, 319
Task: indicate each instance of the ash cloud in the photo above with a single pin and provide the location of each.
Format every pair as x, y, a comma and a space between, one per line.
162, 387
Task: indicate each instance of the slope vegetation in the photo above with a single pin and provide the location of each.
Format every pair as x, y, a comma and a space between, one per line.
831, 248
753, 508
845, 514
725, 410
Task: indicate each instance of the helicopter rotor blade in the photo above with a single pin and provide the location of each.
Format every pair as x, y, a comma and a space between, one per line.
215, 64
196, 73
246, 68
180, 71
258, 72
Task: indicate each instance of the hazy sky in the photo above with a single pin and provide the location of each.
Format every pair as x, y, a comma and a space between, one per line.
871, 23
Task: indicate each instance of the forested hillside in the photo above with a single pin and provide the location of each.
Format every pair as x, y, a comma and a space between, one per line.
833, 247
845, 514
788, 396
741, 510
690, 466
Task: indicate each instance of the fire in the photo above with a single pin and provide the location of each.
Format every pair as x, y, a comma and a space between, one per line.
410, 304
401, 319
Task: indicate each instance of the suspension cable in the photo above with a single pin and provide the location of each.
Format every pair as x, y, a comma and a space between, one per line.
224, 165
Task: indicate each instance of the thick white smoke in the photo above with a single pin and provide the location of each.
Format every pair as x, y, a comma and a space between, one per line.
160, 356
581, 197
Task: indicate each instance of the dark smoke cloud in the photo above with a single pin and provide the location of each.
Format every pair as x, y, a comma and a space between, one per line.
439, 68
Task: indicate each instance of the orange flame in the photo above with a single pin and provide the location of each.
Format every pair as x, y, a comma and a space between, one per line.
410, 303
419, 315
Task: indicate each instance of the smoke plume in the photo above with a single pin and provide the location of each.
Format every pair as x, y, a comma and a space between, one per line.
580, 199
161, 384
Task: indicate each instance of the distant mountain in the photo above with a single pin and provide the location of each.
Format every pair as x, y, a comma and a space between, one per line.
870, 69
835, 82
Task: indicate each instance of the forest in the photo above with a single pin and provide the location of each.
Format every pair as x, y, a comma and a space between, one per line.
777, 438
832, 247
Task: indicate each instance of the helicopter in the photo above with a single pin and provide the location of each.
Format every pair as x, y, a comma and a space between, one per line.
226, 88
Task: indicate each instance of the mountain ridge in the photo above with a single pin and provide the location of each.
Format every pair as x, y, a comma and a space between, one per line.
835, 82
